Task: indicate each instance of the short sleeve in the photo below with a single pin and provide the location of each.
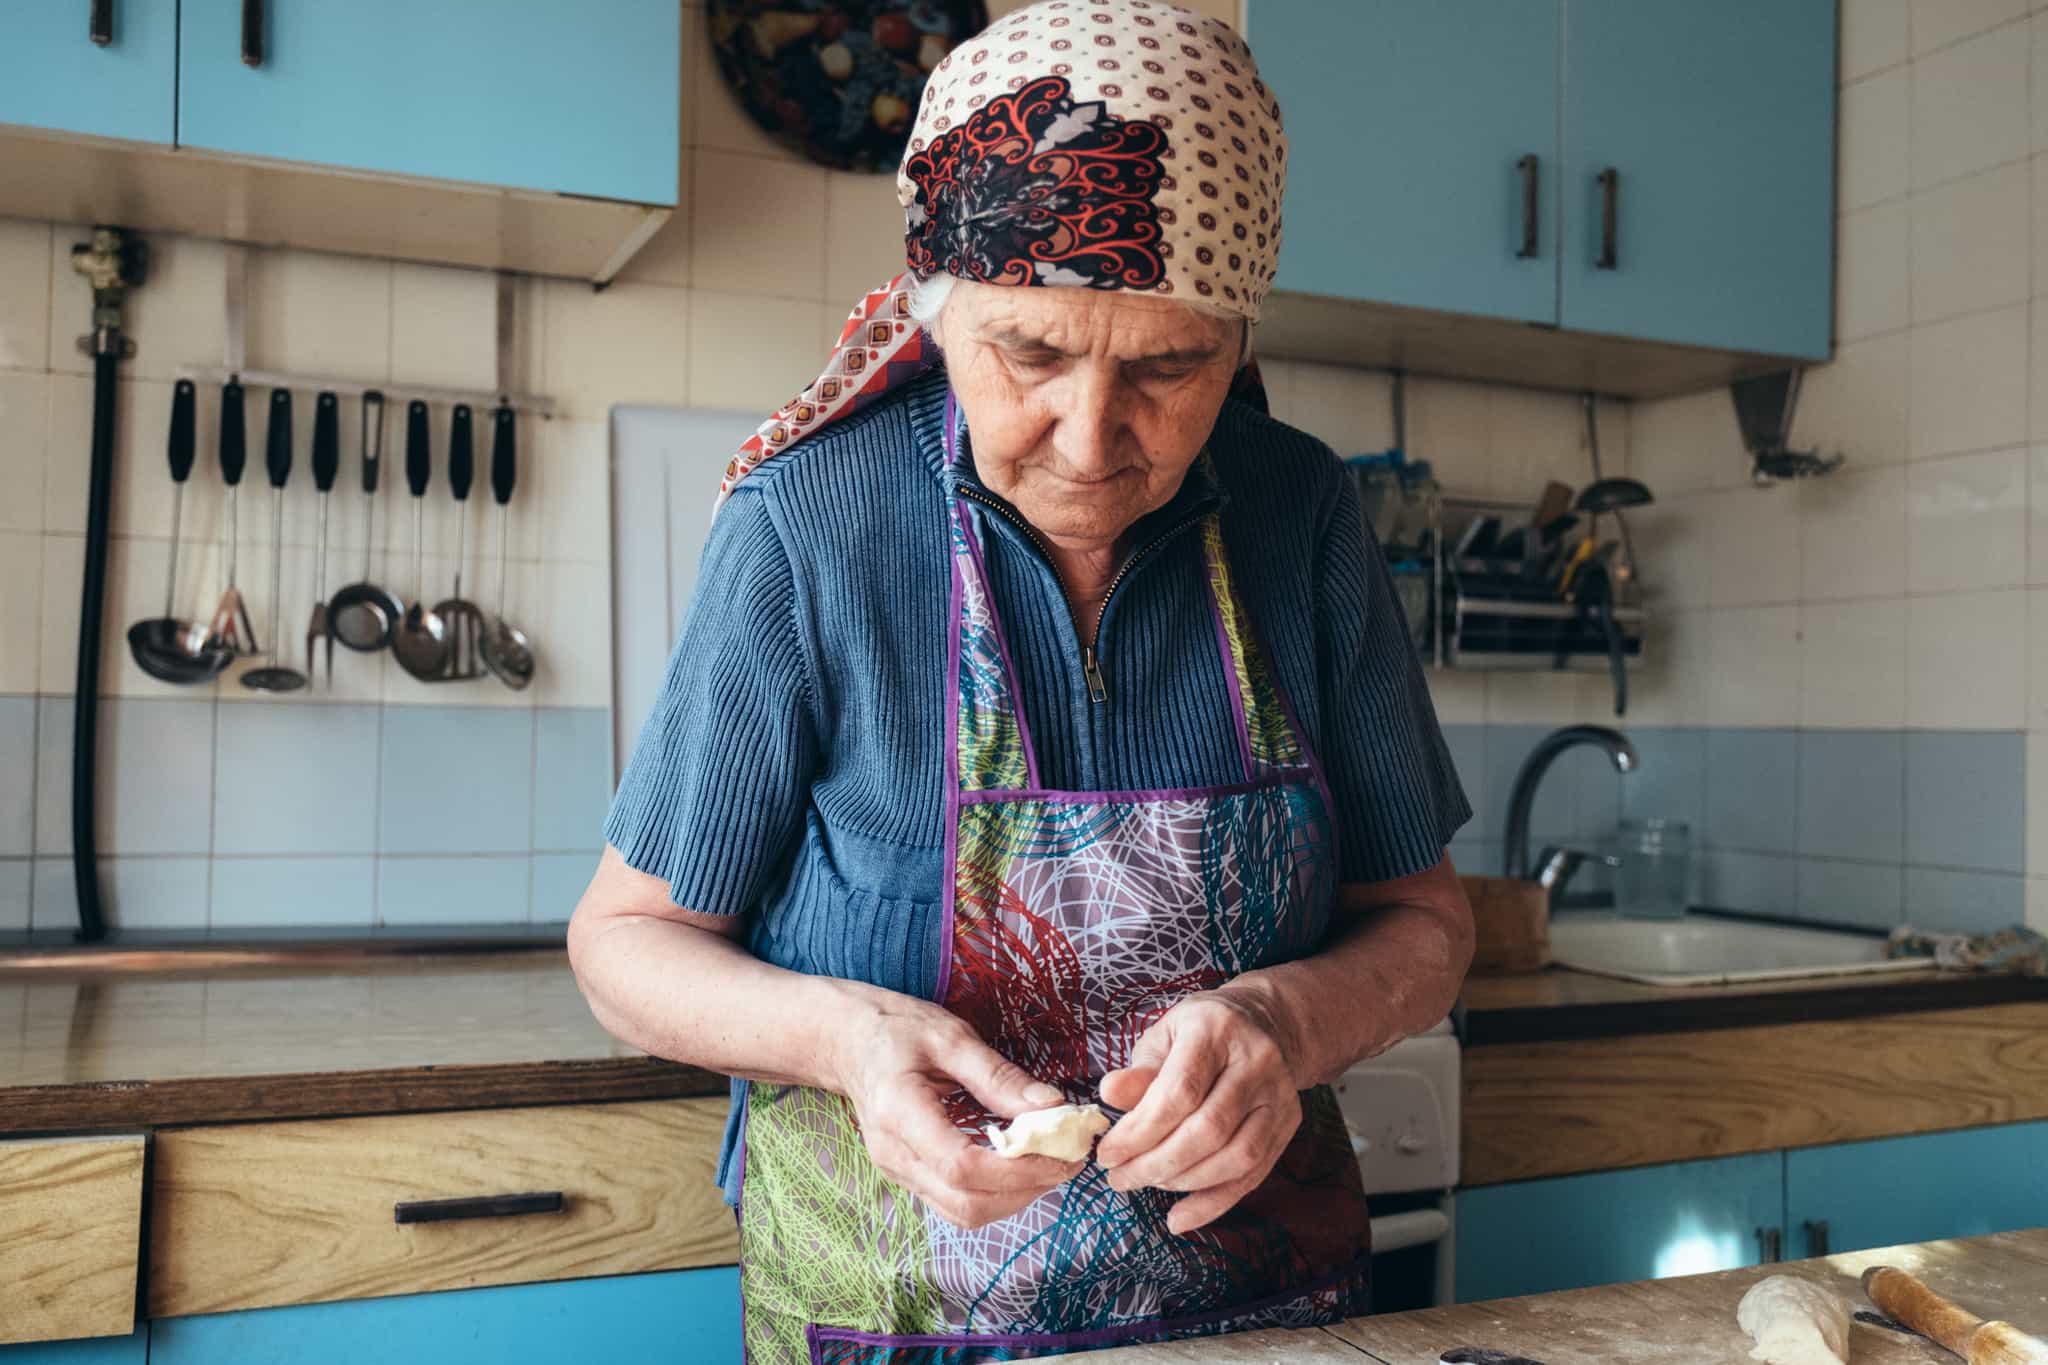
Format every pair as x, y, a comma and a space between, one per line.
712, 800
1397, 794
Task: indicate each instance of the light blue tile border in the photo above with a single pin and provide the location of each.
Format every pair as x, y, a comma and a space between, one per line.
136, 893
265, 892
1852, 794
17, 876
1966, 800
1963, 902
450, 890
1866, 895
456, 780
572, 770
558, 883
1752, 790
17, 776
296, 778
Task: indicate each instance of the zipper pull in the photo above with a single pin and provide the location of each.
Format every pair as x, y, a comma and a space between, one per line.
1098, 692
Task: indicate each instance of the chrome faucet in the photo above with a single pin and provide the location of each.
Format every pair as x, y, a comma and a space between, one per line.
1515, 845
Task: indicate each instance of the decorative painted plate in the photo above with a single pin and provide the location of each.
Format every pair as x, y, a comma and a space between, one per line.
839, 80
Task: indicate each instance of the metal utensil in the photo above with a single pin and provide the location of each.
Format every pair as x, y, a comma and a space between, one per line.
462, 619
326, 463
362, 614
507, 651
277, 461
230, 628
421, 643
167, 648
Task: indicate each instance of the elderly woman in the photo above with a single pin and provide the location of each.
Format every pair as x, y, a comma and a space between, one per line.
1044, 730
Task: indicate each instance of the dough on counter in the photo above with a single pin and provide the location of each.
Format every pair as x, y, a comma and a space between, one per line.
1795, 1322
1065, 1132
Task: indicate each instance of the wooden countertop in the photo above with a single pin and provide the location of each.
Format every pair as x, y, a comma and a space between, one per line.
1682, 1320
82, 1051
1558, 1004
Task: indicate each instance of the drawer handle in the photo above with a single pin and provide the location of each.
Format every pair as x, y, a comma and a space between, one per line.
475, 1206
1817, 1237
1529, 168
101, 26
1610, 192
252, 32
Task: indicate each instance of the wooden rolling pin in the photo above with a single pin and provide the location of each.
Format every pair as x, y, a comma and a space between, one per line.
1906, 1300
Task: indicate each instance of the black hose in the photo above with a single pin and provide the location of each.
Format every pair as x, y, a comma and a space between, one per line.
85, 875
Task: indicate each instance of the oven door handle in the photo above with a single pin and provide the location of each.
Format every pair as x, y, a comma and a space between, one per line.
1393, 1231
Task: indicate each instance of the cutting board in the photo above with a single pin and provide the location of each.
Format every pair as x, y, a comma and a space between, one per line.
1687, 1321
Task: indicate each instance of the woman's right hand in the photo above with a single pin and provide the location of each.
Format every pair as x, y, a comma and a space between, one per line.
896, 1062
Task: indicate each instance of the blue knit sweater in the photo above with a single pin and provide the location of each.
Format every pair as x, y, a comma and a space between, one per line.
794, 766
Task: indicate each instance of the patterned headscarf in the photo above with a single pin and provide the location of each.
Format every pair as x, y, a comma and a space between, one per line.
1092, 144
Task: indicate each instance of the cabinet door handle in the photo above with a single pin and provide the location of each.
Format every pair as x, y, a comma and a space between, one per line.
1531, 171
475, 1206
1610, 192
1817, 1237
252, 32
102, 22
1770, 1245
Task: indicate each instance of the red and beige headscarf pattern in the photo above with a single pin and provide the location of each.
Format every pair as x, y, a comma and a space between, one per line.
1092, 144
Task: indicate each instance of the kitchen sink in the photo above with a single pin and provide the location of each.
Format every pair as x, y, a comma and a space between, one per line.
1712, 950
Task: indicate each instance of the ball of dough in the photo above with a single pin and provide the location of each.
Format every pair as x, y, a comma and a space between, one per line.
1065, 1132
1795, 1322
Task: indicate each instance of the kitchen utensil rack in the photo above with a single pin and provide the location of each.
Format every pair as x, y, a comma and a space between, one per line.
1480, 617
235, 351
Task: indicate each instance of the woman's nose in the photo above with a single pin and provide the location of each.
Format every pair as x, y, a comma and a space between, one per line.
1091, 424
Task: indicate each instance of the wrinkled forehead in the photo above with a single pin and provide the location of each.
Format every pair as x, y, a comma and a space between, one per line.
1114, 323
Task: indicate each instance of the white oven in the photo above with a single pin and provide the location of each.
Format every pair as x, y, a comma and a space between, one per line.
1402, 1110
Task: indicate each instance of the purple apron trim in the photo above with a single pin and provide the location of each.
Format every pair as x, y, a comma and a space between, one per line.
817, 1334
946, 927
1309, 752
1244, 733
1279, 777
952, 440
1003, 650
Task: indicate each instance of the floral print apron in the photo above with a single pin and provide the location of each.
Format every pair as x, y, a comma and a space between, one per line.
1074, 920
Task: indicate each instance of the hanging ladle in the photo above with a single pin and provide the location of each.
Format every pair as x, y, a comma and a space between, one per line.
363, 615
506, 650
167, 648
230, 628
277, 676
422, 640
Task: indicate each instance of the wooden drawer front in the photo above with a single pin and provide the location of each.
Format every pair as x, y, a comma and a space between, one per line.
256, 1215
70, 1236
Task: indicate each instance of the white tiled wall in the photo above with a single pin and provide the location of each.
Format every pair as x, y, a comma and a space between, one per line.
1909, 591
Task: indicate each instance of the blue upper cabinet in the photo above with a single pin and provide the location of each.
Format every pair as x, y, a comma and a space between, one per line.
1423, 150
1648, 1223
1705, 134
55, 74
1917, 1189
574, 99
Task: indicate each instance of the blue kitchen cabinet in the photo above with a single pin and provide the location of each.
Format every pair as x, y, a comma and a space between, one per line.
691, 1317
1407, 127
1917, 1189
53, 75
574, 99
1647, 1223
132, 1349
1717, 124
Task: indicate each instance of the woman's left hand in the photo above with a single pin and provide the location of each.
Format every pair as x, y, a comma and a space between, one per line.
1211, 1103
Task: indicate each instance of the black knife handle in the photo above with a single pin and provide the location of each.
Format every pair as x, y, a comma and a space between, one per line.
234, 438
277, 442
461, 456
418, 459
504, 453
373, 437
184, 429
326, 440
476, 1206
252, 32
